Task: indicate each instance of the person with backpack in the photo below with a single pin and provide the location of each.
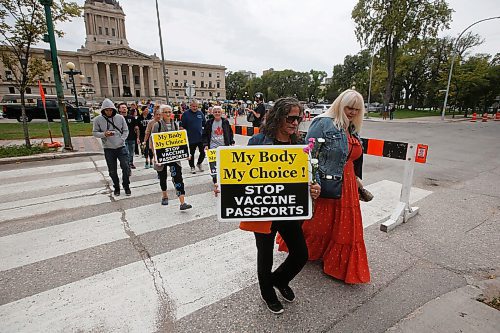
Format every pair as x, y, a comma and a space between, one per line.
112, 129
166, 124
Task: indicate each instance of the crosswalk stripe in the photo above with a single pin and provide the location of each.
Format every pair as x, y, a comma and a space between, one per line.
194, 276
83, 198
40, 244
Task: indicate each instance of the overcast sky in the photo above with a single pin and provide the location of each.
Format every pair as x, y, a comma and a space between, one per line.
258, 34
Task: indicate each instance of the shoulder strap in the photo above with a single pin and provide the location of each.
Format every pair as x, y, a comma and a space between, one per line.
113, 124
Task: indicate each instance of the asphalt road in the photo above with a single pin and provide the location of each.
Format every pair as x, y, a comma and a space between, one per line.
452, 242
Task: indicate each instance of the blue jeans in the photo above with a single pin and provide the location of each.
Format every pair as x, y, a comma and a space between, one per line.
130, 144
120, 154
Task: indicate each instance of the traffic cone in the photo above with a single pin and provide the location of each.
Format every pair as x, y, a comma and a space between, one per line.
474, 117
497, 116
485, 117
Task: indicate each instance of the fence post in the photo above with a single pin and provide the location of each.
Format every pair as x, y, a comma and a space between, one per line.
403, 211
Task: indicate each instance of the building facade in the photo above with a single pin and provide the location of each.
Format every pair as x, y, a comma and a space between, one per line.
112, 69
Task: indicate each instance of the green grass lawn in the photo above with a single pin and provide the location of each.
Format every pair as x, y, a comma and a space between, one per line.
403, 114
14, 131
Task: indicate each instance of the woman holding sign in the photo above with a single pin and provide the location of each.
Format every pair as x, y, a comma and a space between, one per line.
335, 233
280, 128
217, 132
166, 124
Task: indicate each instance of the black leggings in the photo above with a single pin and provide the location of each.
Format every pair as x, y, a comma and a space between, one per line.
176, 174
291, 232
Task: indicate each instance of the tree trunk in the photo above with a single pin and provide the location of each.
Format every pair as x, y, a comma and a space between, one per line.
25, 121
391, 68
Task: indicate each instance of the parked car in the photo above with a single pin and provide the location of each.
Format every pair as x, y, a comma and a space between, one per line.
374, 107
11, 107
316, 110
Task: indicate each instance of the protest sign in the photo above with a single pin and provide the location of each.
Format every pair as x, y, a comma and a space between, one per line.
170, 146
263, 183
212, 158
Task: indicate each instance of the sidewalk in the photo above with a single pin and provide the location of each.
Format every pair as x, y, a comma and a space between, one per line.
457, 311
82, 145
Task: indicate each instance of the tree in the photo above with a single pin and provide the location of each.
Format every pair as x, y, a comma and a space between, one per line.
388, 24
317, 78
235, 85
22, 25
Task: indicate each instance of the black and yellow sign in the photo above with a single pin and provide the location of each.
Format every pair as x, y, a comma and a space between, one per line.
212, 158
263, 183
170, 146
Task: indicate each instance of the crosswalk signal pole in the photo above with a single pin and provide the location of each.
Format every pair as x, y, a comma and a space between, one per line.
49, 37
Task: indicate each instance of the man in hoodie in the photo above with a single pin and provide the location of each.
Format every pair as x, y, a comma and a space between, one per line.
112, 129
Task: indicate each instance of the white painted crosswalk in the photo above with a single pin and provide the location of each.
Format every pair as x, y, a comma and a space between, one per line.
130, 297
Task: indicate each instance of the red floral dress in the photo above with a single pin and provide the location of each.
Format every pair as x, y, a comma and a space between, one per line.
335, 232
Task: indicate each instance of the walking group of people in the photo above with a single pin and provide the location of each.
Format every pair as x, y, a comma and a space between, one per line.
122, 132
334, 234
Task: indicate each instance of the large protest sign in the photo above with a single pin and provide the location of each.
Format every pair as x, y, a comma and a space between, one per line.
170, 146
263, 183
212, 161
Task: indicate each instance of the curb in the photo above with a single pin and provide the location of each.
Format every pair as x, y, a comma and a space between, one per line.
46, 156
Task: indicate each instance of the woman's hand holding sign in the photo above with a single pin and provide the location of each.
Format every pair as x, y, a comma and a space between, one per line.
315, 190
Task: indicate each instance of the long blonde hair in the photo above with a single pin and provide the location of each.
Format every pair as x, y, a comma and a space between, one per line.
348, 98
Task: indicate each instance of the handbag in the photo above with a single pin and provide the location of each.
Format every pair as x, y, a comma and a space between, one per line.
331, 187
364, 194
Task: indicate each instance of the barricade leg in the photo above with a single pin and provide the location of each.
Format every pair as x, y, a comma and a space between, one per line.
403, 211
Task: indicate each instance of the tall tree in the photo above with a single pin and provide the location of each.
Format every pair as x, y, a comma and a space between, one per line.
317, 78
388, 24
22, 25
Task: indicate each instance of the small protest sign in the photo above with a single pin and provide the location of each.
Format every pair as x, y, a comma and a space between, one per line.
170, 146
263, 183
212, 158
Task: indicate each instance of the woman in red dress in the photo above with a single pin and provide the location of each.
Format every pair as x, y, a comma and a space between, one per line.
335, 233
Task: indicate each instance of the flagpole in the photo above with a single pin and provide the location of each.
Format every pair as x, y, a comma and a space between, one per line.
42, 95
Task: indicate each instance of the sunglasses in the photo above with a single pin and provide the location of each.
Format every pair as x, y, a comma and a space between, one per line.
291, 119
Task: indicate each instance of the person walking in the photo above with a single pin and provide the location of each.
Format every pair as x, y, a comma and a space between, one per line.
133, 130
281, 128
217, 132
166, 124
193, 121
147, 137
335, 232
259, 112
392, 108
112, 129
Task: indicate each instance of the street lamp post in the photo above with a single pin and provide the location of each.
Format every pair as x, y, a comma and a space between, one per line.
50, 38
164, 69
72, 72
454, 52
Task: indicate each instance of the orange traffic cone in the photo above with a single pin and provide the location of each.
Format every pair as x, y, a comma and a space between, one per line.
485, 117
497, 116
474, 117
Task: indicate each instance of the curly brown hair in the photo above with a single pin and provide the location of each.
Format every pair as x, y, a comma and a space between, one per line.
279, 111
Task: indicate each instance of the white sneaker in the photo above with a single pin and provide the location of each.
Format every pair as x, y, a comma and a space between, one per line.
200, 167
193, 170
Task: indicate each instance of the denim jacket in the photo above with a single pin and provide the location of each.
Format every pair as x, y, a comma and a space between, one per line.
334, 151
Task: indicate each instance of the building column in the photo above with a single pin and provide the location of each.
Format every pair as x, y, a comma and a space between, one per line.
108, 78
97, 82
120, 80
141, 81
131, 80
151, 82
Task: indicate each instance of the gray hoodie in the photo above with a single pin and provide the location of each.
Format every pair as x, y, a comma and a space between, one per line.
103, 124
